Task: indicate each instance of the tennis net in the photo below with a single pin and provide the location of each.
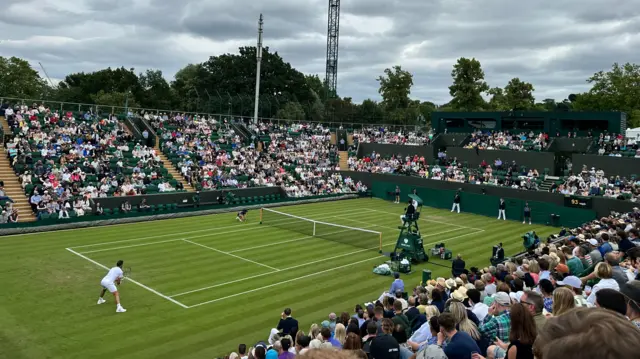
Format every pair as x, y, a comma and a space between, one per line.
356, 237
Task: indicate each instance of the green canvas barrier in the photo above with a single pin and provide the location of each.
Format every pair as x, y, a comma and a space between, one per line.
487, 205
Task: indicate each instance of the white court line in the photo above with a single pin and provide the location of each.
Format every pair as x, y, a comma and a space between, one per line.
130, 280
426, 219
309, 275
309, 263
187, 232
232, 255
131, 246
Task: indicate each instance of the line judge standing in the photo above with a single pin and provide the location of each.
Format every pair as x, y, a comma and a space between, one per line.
456, 202
502, 206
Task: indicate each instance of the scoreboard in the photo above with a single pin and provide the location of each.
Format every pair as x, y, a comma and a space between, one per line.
578, 202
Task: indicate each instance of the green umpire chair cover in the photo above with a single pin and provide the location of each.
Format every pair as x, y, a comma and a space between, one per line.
426, 276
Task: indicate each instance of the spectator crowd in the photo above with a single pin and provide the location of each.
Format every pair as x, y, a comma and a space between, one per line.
581, 286
498, 140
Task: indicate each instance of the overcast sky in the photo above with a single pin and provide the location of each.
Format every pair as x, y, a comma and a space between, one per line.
554, 44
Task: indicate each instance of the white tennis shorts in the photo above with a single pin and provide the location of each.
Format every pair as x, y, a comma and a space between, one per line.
110, 286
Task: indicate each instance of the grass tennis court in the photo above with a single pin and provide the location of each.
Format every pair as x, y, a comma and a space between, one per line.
205, 284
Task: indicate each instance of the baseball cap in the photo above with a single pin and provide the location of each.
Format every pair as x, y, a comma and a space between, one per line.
593, 242
325, 324
571, 281
385, 347
631, 290
502, 298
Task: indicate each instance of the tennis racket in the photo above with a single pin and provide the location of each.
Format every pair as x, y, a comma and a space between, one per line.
127, 272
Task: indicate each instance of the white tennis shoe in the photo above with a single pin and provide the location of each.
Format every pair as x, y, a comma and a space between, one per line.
101, 300
120, 310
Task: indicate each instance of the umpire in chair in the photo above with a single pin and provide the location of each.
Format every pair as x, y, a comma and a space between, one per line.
409, 213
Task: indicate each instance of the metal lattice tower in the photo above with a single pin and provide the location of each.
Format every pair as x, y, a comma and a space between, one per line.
333, 33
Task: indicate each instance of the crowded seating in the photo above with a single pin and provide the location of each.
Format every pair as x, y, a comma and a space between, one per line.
617, 145
523, 141
594, 182
450, 170
210, 155
67, 160
577, 280
386, 136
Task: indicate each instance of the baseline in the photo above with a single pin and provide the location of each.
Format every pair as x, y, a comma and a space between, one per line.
130, 280
428, 220
254, 226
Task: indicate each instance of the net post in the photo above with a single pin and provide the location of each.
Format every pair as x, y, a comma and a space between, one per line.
261, 209
380, 237
314, 228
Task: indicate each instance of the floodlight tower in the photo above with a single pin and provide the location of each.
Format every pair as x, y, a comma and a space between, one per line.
259, 61
333, 33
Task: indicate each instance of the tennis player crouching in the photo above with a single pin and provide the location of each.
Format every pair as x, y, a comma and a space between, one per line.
109, 282
242, 215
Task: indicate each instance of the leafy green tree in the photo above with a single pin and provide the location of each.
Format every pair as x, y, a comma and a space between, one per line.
81, 87
468, 85
18, 79
395, 87
370, 112
156, 92
115, 99
292, 111
234, 75
615, 90
498, 101
184, 86
519, 95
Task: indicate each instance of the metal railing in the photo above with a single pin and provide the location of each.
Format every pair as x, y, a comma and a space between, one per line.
331, 120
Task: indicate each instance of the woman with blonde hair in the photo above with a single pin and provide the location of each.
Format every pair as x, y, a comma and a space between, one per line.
563, 301
314, 331
464, 324
340, 334
603, 271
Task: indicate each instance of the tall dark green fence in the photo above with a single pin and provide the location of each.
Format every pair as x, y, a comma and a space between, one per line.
487, 205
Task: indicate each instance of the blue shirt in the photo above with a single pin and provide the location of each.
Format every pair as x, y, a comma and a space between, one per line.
605, 248
397, 285
335, 343
422, 334
461, 346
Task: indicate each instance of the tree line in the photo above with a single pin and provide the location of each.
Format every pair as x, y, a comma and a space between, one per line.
225, 85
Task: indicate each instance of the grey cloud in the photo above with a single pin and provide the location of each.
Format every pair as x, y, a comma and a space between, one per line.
506, 36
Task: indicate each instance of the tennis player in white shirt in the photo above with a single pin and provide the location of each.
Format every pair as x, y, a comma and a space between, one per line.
109, 283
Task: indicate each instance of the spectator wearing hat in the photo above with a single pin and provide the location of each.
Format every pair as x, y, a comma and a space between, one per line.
575, 285
605, 274
498, 322
595, 255
631, 291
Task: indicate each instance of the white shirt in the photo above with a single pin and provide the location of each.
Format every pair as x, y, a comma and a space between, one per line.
114, 274
480, 310
604, 283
